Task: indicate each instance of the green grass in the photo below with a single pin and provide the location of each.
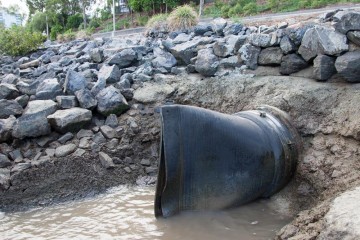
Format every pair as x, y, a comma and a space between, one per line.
240, 8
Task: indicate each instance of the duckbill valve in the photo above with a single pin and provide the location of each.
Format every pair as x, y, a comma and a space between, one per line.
210, 160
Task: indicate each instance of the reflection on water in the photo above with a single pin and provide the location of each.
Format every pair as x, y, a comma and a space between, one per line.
127, 213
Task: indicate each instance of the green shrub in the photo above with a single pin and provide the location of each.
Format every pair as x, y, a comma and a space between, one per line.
183, 17
17, 40
94, 22
123, 23
38, 22
105, 14
250, 9
142, 20
74, 21
225, 11
55, 30
69, 35
157, 21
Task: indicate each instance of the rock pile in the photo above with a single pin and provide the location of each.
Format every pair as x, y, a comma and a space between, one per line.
70, 99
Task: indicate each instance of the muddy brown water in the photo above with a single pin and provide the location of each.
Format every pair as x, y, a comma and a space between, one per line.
127, 213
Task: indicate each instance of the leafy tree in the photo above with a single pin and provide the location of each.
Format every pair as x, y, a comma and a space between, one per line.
35, 5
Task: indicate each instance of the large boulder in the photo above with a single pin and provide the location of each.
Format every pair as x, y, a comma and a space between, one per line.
6, 126
70, 120
348, 66
200, 29
48, 89
292, 63
354, 36
124, 58
250, 54
8, 91
324, 67
218, 25
286, 45
343, 218
9, 107
163, 59
263, 40
96, 55
86, 99
111, 101
348, 21
207, 63
111, 74
222, 49
186, 51
33, 122
322, 40
74, 81
270, 56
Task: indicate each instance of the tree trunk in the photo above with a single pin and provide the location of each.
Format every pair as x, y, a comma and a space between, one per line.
84, 14
201, 8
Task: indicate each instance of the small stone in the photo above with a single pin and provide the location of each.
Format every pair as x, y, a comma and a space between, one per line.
4, 161
112, 121
84, 142
150, 170
99, 138
106, 161
66, 137
112, 144
21, 167
129, 160
15, 154
71, 119
66, 102
292, 63
4, 179
65, 150
79, 152
107, 131
86, 99
111, 74
50, 152
127, 169
145, 162
84, 133
324, 67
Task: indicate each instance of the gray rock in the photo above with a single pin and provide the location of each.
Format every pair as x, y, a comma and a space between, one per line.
98, 138
33, 122
207, 63
322, 40
324, 67
201, 29
124, 58
230, 62
343, 218
8, 91
106, 161
4, 179
250, 54
286, 45
6, 126
65, 150
348, 66
292, 63
84, 133
86, 99
79, 152
99, 85
151, 93
66, 137
4, 161
111, 74
108, 132
66, 102
110, 101
20, 167
233, 29
27, 88
181, 38
151, 170
348, 21
112, 121
50, 152
145, 162
84, 142
65, 61
74, 81
235, 43
263, 40
22, 100
72, 119
270, 56
96, 55
48, 89
218, 26
10, 79
185, 51
354, 36
163, 59
9, 107
222, 49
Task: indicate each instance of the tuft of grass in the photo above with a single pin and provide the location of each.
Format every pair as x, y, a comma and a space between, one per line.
182, 18
157, 21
